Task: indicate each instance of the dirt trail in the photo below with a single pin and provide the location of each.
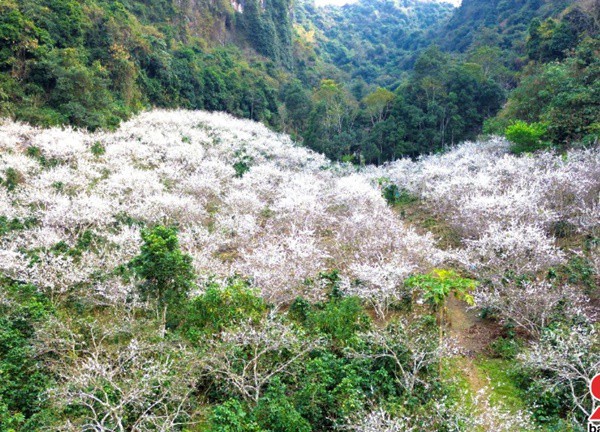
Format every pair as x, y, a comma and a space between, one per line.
469, 331
472, 333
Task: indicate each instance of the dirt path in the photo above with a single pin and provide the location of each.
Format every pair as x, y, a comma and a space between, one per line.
472, 333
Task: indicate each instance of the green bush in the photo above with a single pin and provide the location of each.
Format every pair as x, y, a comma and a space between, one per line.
12, 178
505, 348
231, 416
526, 137
339, 318
275, 411
24, 378
98, 149
221, 307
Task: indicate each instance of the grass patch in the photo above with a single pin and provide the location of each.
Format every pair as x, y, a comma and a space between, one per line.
503, 389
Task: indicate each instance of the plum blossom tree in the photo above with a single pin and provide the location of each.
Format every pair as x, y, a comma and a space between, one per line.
515, 250
246, 359
533, 305
136, 386
412, 347
568, 356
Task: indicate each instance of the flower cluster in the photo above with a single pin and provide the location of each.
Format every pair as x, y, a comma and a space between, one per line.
246, 201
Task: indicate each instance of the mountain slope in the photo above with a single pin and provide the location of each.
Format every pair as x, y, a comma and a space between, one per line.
94, 63
193, 269
493, 22
374, 40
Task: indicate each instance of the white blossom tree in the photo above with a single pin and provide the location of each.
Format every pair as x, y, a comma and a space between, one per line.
246, 359
571, 357
136, 386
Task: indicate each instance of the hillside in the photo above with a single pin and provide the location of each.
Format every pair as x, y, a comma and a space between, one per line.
192, 271
498, 23
376, 40
94, 63
367, 82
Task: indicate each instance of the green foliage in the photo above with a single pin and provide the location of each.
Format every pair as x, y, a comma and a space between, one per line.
275, 412
86, 241
94, 65
98, 149
35, 153
560, 88
12, 179
232, 416
222, 307
439, 284
268, 28
506, 348
525, 137
340, 318
242, 165
394, 195
15, 224
501, 23
167, 274
374, 41
23, 376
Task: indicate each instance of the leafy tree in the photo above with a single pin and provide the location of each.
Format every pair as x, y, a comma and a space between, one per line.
166, 272
378, 104
222, 307
526, 137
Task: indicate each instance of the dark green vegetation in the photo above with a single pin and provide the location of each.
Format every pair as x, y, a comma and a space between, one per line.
559, 90
24, 379
374, 41
495, 23
93, 63
361, 83
537, 59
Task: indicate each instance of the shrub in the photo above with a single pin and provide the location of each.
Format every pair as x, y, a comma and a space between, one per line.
221, 307
505, 348
394, 195
526, 137
232, 417
12, 178
98, 149
275, 411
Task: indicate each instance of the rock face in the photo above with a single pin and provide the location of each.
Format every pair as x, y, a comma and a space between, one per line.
238, 6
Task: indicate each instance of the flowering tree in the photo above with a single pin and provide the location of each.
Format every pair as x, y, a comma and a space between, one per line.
246, 359
532, 306
137, 386
412, 348
569, 356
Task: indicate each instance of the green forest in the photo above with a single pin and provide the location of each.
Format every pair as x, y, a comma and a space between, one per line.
367, 82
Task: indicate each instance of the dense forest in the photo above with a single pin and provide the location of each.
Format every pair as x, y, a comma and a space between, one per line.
367, 82
439, 79
94, 63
